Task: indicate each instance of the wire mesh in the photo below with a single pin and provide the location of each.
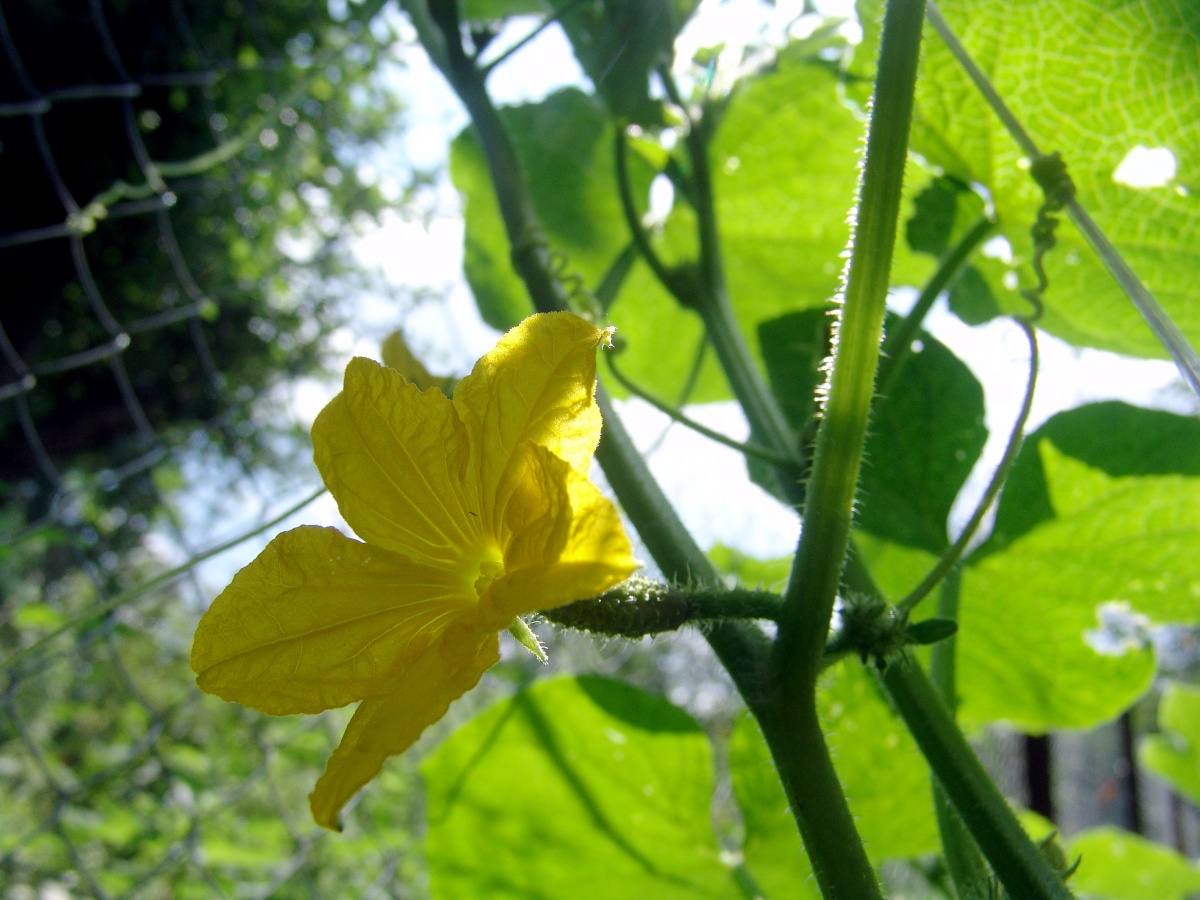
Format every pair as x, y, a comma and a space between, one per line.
128, 130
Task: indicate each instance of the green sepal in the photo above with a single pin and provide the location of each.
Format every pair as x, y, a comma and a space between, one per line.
930, 631
520, 629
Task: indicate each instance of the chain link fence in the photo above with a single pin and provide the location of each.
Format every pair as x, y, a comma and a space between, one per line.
154, 157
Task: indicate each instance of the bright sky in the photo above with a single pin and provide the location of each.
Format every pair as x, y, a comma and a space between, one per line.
728, 508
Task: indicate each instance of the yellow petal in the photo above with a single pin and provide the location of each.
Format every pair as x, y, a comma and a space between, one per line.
568, 541
397, 355
318, 621
389, 723
394, 458
536, 385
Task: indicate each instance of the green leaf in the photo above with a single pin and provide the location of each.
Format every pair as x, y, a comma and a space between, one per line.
1117, 865
618, 43
884, 775
926, 433
784, 163
971, 297
793, 347
942, 213
1175, 753
1126, 543
491, 10
586, 788
565, 146
1114, 437
767, 574
1107, 96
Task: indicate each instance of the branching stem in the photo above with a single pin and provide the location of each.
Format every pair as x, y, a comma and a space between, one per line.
768, 456
954, 553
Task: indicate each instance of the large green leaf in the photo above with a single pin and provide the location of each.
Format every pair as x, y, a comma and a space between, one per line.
585, 788
1114, 437
884, 775
784, 169
1175, 753
565, 146
1124, 542
794, 347
1093, 80
618, 43
1117, 865
926, 431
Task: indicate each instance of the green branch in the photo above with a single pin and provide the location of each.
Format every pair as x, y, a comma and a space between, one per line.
963, 859
1019, 864
670, 280
742, 649
839, 861
641, 607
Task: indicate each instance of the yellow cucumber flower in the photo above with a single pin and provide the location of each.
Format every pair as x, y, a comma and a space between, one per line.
472, 512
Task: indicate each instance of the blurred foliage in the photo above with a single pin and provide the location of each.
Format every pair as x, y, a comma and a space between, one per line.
587, 787
255, 119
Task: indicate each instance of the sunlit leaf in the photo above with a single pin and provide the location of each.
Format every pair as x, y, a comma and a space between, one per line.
1032, 647
926, 430
1126, 76
1113, 437
585, 788
1117, 865
1174, 754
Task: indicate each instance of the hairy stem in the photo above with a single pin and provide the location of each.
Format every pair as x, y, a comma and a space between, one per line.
793, 733
641, 607
1021, 867
817, 567
967, 867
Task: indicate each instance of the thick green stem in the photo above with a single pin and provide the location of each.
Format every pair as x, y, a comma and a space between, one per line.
839, 861
1021, 867
963, 859
742, 649
793, 732
817, 568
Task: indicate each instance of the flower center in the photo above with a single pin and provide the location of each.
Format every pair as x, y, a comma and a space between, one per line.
488, 569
